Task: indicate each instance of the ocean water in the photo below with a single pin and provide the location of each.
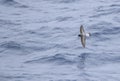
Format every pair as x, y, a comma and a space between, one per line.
39, 40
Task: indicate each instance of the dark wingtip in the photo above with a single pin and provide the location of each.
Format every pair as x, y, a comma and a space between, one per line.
81, 25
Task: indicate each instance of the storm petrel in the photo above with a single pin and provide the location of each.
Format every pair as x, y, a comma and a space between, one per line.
83, 35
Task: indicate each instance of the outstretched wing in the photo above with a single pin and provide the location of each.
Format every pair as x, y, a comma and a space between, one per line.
83, 37
82, 30
83, 40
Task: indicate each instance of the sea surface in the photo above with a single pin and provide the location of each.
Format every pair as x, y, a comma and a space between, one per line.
39, 40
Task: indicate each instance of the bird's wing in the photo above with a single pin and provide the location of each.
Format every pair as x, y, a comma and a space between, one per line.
83, 40
82, 30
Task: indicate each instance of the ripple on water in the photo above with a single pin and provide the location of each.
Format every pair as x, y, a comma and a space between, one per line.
14, 47
56, 59
60, 19
106, 10
12, 3
11, 45
63, 1
106, 29
7, 22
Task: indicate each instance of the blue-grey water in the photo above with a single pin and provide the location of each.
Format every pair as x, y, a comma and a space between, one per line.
39, 40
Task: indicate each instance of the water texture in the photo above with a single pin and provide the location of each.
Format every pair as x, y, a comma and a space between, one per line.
39, 40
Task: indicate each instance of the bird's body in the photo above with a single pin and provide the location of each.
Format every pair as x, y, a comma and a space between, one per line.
87, 35
83, 36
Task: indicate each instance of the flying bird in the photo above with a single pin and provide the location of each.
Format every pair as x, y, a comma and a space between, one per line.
83, 35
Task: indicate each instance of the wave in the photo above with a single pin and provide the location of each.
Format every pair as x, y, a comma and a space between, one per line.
98, 59
17, 46
11, 45
12, 3
106, 10
105, 29
111, 30
63, 1
4, 22
82, 59
67, 1
56, 59
60, 19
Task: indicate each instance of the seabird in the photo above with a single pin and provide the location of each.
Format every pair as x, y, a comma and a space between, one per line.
83, 35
